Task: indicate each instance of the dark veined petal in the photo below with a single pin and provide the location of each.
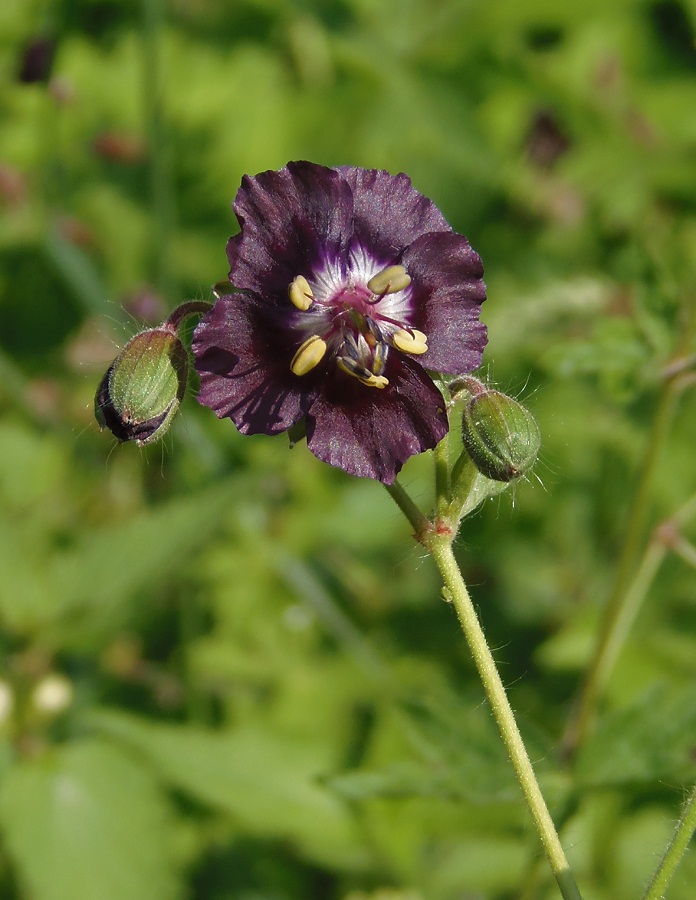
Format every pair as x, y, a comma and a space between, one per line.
270, 359
243, 375
389, 213
292, 221
448, 290
371, 432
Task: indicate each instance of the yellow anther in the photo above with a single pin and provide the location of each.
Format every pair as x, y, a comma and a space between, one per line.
363, 375
412, 341
389, 280
309, 355
300, 293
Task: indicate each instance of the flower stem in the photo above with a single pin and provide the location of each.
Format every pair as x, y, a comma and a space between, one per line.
190, 308
686, 826
442, 476
440, 547
421, 525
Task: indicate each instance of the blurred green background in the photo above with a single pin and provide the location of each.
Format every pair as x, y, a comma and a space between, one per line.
226, 669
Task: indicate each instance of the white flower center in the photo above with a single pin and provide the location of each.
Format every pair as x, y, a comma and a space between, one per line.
357, 317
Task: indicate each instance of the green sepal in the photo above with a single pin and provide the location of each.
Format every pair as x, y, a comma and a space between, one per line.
142, 390
500, 435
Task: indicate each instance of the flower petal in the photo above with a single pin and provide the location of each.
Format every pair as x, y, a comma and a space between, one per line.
370, 432
244, 375
292, 222
389, 213
270, 361
448, 290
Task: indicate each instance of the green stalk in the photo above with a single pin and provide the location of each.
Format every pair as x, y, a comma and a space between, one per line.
421, 525
442, 476
440, 548
686, 826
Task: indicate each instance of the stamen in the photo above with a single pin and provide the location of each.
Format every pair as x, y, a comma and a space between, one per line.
373, 329
411, 341
389, 280
379, 361
352, 348
300, 293
350, 367
309, 355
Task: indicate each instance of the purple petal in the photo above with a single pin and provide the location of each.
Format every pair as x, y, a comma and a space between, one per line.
371, 432
244, 367
292, 221
448, 290
389, 213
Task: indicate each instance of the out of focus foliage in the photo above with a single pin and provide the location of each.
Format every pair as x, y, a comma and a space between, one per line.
226, 670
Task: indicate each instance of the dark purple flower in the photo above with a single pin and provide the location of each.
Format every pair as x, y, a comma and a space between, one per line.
350, 285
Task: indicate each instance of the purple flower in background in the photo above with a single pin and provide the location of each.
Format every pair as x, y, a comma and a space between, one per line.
36, 60
349, 286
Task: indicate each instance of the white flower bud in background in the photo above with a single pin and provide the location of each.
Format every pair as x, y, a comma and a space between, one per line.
52, 695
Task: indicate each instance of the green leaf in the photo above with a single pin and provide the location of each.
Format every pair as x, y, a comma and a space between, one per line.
650, 741
101, 570
87, 822
408, 779
268, 782
457, 756
106, 568
616, 354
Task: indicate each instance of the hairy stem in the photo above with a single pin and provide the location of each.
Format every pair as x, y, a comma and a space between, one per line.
421, 525
440, 547
442, 476
686, 826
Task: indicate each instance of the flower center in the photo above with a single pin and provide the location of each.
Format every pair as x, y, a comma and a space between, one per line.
357, 321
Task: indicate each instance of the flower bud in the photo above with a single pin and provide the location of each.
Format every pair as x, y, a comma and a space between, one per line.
144, 386
501, 436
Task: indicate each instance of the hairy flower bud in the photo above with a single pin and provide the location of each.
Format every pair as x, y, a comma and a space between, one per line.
500, 435
144, 386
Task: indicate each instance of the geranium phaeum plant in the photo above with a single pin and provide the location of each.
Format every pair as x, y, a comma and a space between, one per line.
349, 288
347, 291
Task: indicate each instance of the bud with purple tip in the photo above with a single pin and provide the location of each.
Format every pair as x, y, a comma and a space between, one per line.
142, 390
